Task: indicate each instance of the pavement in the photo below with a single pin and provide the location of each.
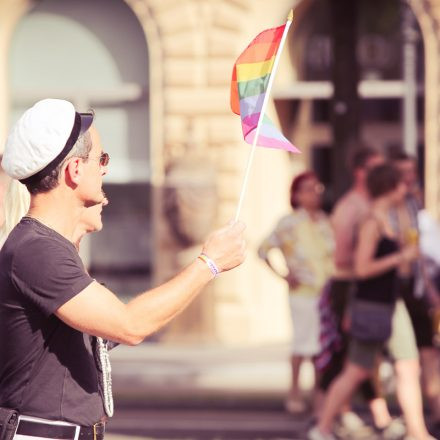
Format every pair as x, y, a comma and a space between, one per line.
166, 391
206, 424
206, 392
164, 375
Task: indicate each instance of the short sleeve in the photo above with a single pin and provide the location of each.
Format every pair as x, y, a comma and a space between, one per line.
49, 273
275, 239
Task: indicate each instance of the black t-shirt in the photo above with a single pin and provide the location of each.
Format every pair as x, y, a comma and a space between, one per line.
47, 368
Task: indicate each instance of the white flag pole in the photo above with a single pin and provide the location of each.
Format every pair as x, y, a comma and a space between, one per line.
262, 112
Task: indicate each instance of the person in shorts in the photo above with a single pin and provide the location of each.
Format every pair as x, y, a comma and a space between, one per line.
305, 239
377, 257
346, 216
417, 284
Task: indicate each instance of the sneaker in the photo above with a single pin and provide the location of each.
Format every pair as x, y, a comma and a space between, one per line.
351, 421
316, 434
394, 431
351, 426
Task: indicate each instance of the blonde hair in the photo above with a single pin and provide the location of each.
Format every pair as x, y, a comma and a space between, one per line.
15, 206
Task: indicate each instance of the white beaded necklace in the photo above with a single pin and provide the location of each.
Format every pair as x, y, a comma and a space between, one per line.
106, 376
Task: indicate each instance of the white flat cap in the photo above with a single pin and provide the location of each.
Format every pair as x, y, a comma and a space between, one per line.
42, 138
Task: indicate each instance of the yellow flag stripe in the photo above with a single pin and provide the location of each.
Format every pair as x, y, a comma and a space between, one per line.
249, 71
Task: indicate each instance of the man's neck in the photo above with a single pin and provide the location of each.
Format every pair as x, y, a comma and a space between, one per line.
58, 211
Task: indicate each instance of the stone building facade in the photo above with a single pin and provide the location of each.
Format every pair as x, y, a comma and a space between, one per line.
197, 156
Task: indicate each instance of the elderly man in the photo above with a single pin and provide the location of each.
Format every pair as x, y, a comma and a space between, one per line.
48, 302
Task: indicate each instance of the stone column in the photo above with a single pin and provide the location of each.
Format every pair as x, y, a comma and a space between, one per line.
428, 16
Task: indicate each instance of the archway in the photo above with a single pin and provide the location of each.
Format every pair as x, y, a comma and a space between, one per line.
63, 49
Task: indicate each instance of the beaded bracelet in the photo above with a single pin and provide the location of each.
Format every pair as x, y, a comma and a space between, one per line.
212, 266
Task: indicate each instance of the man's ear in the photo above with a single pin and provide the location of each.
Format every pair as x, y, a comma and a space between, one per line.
73, 170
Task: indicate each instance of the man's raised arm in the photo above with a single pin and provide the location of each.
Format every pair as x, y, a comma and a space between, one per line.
97, 311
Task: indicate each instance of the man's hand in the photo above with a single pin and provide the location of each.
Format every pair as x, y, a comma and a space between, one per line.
226, 246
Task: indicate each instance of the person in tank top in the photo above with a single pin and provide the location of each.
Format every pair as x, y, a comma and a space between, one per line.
377, 257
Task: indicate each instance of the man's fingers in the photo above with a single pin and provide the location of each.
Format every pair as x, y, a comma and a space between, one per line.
237, 226
233, 228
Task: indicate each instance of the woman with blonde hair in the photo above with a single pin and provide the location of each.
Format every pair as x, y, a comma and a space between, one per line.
15, 206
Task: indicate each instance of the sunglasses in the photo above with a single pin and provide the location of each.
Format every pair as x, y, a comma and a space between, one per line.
103, 160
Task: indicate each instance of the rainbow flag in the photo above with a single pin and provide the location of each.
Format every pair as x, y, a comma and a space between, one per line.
250, 77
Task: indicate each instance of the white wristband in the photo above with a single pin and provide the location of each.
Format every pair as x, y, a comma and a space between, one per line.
212, 266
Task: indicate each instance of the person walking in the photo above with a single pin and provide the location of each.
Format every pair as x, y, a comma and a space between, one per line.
305, 239
346, 217
47, 299
417, 288
373, 324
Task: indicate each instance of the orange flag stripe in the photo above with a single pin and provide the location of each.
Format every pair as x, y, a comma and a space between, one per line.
259, 52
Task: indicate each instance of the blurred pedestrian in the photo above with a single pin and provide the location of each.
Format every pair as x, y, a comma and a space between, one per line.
47, 299
416, 285
3, 184
373, 319
15, 205
346, 218
305, 240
